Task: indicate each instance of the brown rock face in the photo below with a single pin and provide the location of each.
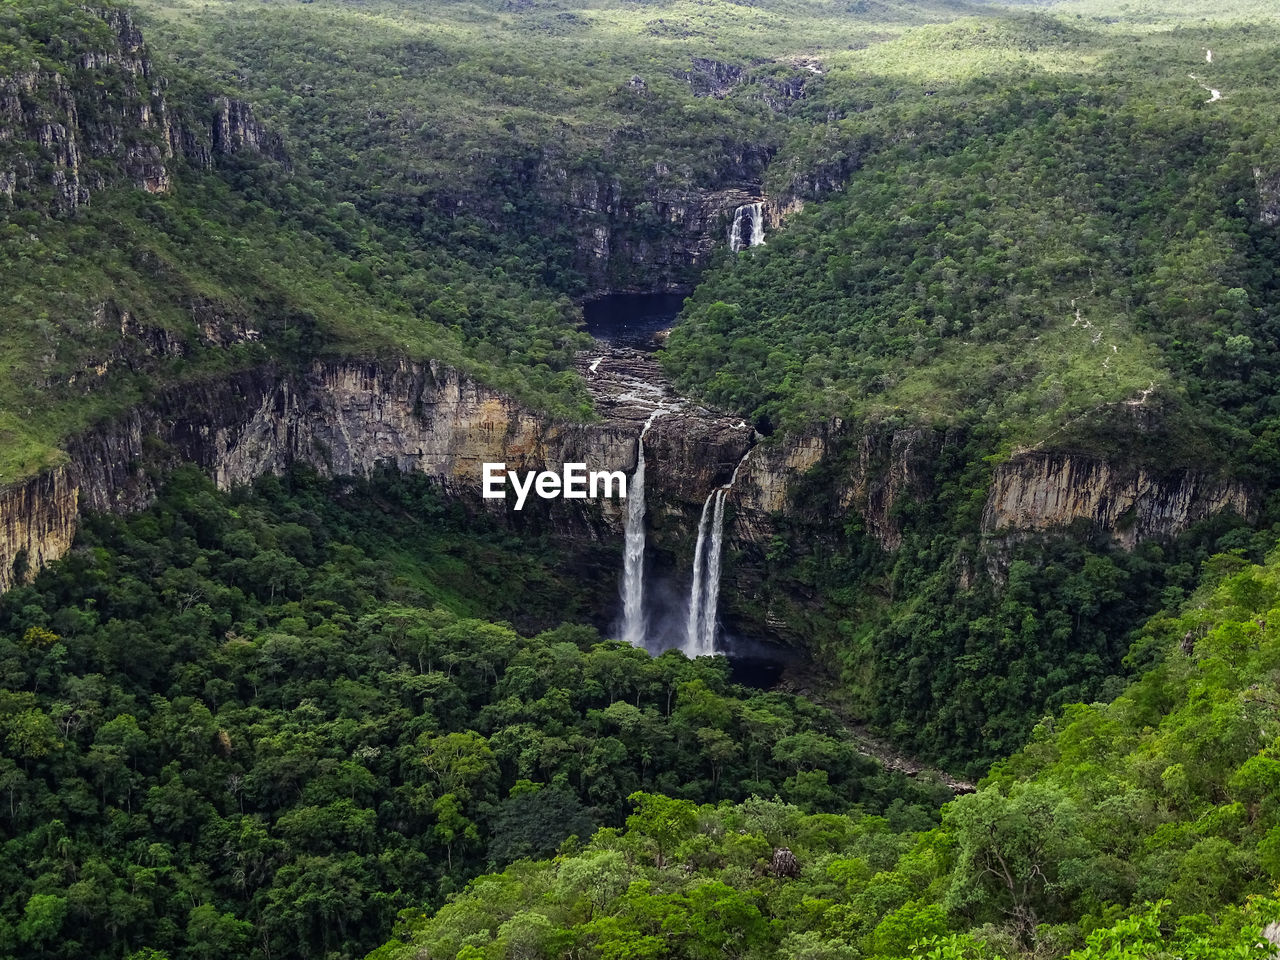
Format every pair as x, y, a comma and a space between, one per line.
37, 523
349, 418
1268, 196
1042, 491
887, 467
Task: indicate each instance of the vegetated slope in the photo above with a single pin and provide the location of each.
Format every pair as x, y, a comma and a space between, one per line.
1162, 807
260, 726
568, 142
1020, 254
1026, 227
154, 234
1074, 254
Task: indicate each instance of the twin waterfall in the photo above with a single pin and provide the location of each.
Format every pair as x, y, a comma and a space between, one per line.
753, 212
704, 590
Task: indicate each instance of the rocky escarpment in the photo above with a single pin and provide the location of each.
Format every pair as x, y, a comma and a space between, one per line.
69, 130
1042, 491
349, 418
659, 236
831, 472
1268, 185
875, 473
656, 228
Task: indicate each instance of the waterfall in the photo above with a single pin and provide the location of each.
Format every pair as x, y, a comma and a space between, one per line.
755, 213
707, 641
735, 231
633, 618
704, 590
693, 629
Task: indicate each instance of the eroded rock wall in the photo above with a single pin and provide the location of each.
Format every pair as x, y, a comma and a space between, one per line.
1042, 491
102, 119
349, 418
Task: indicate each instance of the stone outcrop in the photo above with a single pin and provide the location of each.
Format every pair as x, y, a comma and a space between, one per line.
1043, 491
1268, 185
659, 238
873, 474
37, 523
350, 417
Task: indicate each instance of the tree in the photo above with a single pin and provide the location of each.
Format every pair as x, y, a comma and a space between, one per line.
1009, 849
533, 823
42, 919
661, 822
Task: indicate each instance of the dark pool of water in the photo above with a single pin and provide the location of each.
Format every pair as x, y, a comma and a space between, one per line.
755, 672
631, 319
755, 663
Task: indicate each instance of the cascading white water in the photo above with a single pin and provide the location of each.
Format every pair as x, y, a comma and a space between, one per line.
704, 591
633, 617
707, 641
693, 628
756, 212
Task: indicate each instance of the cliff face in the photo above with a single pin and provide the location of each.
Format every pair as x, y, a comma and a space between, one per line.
651, 229
1042, 491
37, 524
882, 470
349, 418
656, 238
1268, 185
102, 118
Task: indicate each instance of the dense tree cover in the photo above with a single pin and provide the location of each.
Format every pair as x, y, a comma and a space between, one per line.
1045, 239
1043, 256
252, 245
240, 725
490, 126
1060, 246
955, 644
1125, 830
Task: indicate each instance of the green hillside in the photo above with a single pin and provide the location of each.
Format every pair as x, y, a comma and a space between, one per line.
1160, 807
355, 717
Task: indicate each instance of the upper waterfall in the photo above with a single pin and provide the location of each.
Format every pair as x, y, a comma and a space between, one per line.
753, 213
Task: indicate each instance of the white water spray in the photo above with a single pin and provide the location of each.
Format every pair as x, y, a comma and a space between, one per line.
633, 618
707, 639
757, 224
754, 211
704, 591
693, 628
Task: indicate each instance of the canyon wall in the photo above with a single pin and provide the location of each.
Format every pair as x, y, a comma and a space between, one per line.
350, 418
103, 119
1034, 492
1041, 491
